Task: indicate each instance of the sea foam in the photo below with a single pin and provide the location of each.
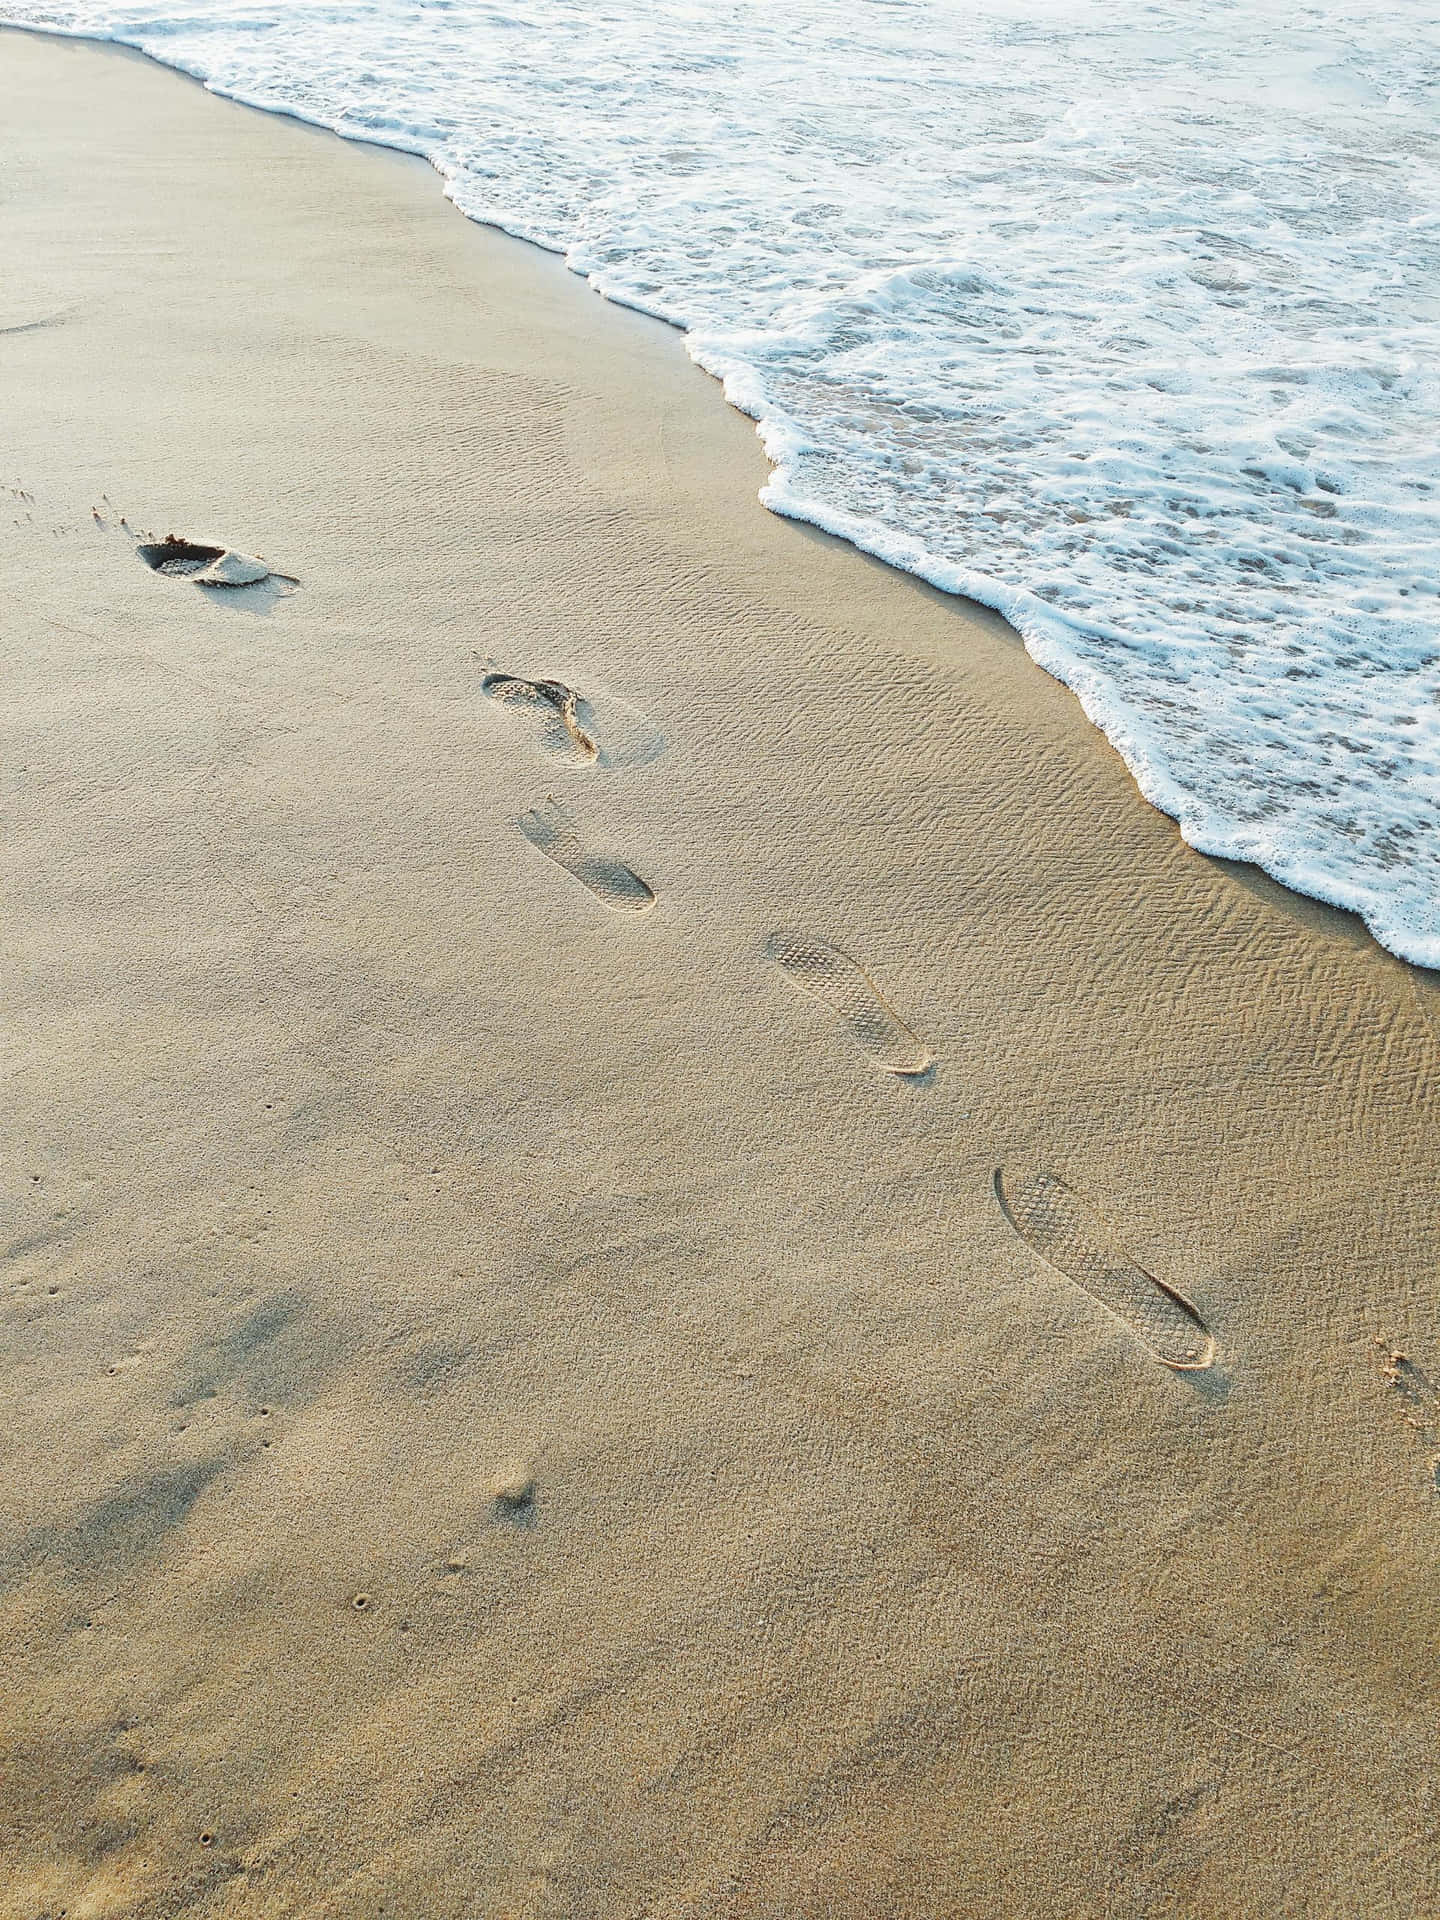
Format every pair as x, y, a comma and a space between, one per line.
1122, 317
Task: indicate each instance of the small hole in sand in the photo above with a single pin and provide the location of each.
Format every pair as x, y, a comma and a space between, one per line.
207, 1839
361, 1603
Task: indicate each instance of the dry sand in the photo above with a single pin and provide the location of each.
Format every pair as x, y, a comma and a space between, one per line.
511, 1409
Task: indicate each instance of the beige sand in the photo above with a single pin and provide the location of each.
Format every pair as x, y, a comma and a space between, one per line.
521, 1399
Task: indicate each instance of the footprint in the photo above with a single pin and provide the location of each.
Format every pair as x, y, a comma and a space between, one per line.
596, 730
1053, 1220
551, 829
550, 707
37, 325
206, 566
1419, 1399
822, 970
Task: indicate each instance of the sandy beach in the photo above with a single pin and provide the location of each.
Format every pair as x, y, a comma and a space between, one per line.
521, 1398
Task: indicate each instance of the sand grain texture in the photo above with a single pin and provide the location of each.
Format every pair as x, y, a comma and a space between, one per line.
507, 1412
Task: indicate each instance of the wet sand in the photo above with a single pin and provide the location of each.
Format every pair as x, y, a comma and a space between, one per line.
521, 1397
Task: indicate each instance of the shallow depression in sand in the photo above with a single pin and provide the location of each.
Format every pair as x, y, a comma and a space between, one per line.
552, 830
1052, 1218
827, 974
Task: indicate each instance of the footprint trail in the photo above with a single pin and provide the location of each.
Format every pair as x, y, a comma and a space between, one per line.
1053, 1220
553, 832
827, 974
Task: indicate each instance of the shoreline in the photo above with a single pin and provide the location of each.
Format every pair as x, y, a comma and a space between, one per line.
521, 1396
1121, 728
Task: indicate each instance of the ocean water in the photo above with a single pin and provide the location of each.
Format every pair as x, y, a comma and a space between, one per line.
1122, 316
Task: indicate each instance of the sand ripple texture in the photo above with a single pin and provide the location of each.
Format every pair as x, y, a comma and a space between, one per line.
1119, 316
